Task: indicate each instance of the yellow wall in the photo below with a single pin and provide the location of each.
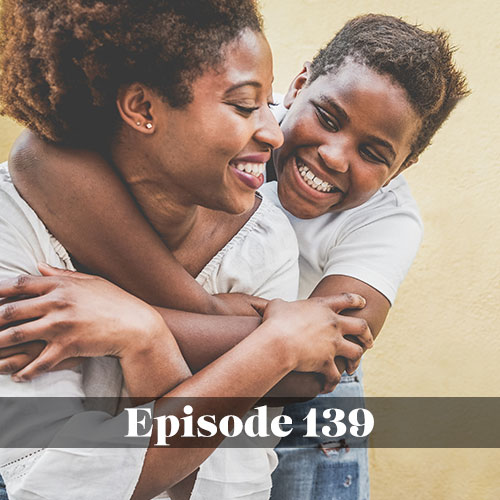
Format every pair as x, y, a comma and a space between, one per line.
442, 337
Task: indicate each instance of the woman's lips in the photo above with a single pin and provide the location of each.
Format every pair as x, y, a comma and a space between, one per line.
251, 174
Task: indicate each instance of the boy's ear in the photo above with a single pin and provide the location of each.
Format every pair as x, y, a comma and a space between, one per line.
135, 105
408, 163
298, 83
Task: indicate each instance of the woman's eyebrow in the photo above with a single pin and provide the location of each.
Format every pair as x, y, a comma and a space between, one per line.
236, 86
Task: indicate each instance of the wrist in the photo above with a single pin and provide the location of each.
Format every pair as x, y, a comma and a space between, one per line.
279, 344
141, 341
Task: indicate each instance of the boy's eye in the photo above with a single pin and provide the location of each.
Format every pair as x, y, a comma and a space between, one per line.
327, 120
373, 157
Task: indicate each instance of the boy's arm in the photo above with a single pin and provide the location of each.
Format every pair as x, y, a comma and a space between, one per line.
377, 306
374, 313
372, 253
107, 235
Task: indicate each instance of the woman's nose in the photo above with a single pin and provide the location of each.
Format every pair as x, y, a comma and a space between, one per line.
269, 131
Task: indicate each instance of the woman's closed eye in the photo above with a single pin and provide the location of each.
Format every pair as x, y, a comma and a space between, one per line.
245, 110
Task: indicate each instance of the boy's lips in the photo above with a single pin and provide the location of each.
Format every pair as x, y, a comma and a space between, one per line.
311, 182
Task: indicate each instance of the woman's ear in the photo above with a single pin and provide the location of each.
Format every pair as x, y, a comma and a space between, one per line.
298, 83
135, 105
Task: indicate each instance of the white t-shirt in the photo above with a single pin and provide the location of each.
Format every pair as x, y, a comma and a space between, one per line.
266, 243
374, 243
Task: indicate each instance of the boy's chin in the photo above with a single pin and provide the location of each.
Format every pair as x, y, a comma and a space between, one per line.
301, 209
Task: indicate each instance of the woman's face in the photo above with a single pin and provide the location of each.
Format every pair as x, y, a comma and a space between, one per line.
213, 151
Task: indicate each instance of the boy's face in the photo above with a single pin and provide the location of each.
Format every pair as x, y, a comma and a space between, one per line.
346, 135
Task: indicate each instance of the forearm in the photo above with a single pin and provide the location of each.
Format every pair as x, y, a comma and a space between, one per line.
294, 388
297, 387
80, 186
152, 370
204, 338
241, 376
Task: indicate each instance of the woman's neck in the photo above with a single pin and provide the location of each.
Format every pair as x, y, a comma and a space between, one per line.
172, 217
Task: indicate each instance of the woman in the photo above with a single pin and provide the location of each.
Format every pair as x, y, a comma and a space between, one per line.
92, 74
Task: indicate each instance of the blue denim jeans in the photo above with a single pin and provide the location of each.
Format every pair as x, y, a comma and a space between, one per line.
3, 491
321, 472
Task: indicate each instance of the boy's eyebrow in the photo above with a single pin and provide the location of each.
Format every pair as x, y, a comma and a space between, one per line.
333, 104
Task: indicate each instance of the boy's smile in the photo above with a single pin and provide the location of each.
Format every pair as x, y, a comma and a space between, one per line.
346, 135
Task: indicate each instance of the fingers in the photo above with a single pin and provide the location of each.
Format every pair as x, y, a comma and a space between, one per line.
339, 303
44, 363
259, 304
332, 377
25, 284
352, 366
270, 308
32, 349
20, 334
358, 329
47, 270
349, 350
22, 310
13, 364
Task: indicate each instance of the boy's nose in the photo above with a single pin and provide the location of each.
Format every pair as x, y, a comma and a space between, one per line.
335, 155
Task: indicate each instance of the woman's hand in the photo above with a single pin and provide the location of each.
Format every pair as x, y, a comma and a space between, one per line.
76, 315
317, 332
14, 359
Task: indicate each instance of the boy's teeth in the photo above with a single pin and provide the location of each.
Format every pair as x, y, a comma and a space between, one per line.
255, 169
313, 181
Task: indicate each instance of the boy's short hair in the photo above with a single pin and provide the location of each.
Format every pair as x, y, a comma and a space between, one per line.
419, 61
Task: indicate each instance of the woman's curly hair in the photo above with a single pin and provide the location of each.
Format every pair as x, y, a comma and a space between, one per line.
421, 62
63, 61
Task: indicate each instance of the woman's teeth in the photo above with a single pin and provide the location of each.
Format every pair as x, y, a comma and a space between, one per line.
315, 182
256, 169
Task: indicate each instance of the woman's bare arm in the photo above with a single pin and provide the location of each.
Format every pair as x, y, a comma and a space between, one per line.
66, 326
304, 336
